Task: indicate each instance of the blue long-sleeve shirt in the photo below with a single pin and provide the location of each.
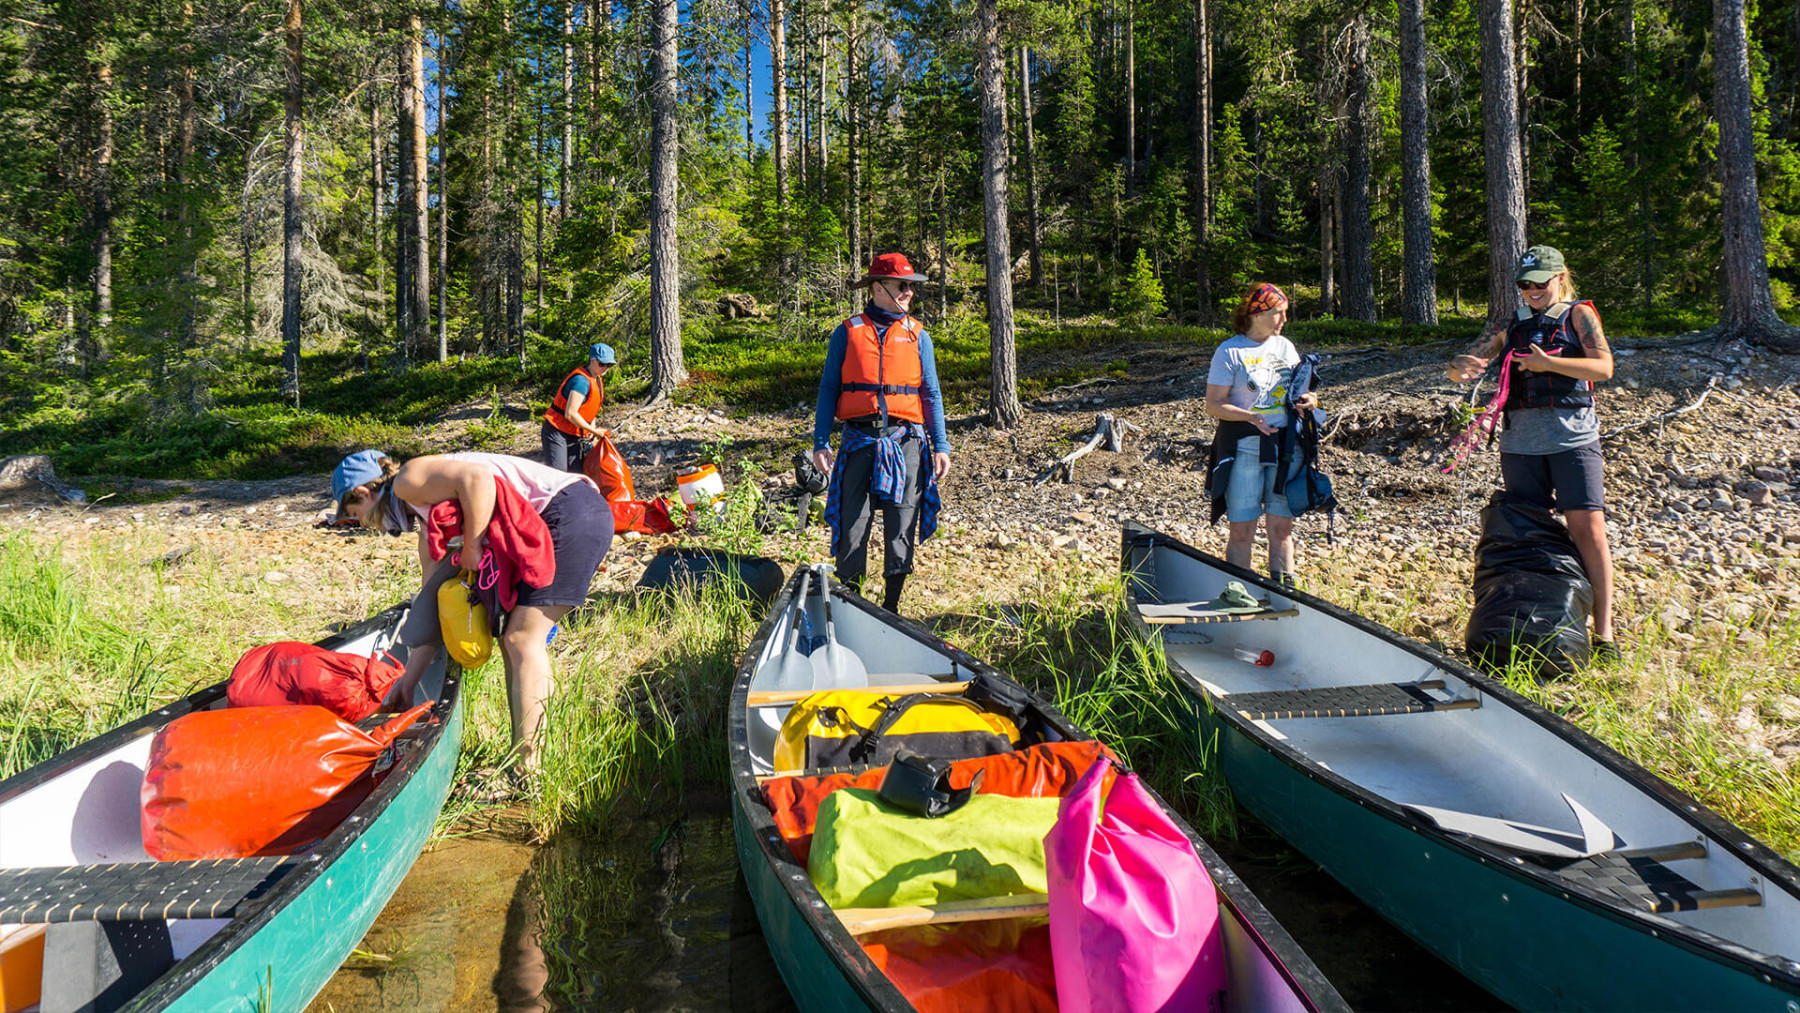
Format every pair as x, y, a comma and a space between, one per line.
931, 396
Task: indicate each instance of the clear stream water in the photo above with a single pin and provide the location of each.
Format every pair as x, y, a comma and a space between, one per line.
653, 917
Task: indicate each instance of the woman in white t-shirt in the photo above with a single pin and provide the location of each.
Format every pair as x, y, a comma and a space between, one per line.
1247, 391
378, 494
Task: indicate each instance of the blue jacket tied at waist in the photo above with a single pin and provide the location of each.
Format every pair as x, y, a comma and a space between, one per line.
888, 477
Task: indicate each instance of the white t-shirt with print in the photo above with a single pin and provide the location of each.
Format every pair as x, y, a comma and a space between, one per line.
1257, 373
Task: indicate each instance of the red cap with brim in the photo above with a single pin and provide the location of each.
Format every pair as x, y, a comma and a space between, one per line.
890, 267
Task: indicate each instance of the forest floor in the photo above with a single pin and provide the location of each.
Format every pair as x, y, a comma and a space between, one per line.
1704, 513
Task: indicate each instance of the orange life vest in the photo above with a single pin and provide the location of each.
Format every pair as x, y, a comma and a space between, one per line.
590, 407
883, 373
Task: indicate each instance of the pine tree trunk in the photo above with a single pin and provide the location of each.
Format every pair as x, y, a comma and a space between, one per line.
1034, 232
377, 194
1328, 241
414, 166
853, 157
1500, 146
1522, 54
778, 78
184, 156
1004, 410
567, 160
749, 96
824, 49
803, 163
1359, 227
1130, 99
103, 216
291, 225
667, 371
1201, 133
1749, 305
443, 254
1419, 282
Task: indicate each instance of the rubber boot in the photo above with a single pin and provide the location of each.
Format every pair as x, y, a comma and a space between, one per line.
890, 599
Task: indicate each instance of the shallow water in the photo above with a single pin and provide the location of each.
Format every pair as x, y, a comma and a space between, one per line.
650, 917
653, 917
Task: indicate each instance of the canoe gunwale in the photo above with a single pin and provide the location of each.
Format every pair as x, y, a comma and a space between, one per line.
1776, 872
1295, 967
210, 954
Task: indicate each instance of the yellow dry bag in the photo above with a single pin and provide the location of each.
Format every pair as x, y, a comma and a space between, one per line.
836, 728
464, 621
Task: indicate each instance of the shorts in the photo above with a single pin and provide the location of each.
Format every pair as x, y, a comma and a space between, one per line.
581, 532
1566, 480
1250, 492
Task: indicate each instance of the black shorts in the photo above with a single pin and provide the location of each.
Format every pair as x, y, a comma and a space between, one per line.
1566, 480
581, 531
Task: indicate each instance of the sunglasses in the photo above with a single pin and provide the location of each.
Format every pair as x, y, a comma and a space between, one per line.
902, 286
1533, 286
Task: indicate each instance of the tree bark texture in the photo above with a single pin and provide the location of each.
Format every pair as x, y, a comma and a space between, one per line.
103, 208
1359, 227
377, 194
1130, 99
566, 161
1004, 410
1033, 230
415, 162
778, 78
443, 252
1201, 133
1749, 305
292, 228
667, 370
1500, 148
1418, 297
852, 121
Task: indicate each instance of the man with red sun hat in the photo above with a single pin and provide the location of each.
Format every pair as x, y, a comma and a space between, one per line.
880, 382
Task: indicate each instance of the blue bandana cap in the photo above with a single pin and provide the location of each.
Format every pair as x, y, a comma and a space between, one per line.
603, 353
357, 469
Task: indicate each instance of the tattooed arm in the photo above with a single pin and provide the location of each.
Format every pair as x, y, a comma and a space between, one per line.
1595, 364
1469, 365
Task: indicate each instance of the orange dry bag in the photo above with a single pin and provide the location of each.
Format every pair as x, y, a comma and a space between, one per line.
351, 686
606, 466
257, 780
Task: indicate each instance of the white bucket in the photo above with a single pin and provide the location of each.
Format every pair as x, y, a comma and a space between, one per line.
702, 487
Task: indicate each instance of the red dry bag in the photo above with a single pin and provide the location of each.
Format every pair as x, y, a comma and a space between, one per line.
652, 518
606, 466
348, 685
257, 780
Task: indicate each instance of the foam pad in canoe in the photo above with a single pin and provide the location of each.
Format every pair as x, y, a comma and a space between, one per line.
751, 576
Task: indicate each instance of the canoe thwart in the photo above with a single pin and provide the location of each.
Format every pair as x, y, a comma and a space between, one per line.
1668, 852
137, 891
783, 697
864, 920
1197, 612
1345, 701
1648, 885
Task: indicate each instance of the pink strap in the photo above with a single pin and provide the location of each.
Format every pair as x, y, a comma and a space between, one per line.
1483, 427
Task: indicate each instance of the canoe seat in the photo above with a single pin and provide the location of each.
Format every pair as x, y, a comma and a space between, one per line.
1647, 884
1346, 701
1193, 613
861, 921
137, 891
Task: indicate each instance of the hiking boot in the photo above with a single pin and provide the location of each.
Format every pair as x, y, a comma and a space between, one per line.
1606, 653
1285, 579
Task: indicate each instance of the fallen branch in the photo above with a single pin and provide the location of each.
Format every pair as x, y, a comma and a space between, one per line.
1671, 413
1106, 428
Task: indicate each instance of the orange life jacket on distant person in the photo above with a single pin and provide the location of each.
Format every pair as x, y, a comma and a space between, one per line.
590, 407
883, 373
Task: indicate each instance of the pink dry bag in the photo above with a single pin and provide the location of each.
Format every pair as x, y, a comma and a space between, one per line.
1134, 918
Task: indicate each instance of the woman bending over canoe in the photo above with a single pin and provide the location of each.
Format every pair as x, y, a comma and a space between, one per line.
371, 488
1247, 391
1549, 435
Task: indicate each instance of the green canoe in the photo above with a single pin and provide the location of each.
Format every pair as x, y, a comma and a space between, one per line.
1548, 868
78, 814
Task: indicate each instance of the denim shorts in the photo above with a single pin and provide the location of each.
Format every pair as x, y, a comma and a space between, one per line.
1251, 491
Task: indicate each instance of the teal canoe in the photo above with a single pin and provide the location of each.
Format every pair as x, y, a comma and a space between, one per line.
276, 950
824, 966
1545, 866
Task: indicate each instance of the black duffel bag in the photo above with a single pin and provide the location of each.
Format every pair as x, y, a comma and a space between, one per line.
752, 577
1532, 596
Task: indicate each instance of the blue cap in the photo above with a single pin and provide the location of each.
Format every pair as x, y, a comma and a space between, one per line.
362, 466
602, 352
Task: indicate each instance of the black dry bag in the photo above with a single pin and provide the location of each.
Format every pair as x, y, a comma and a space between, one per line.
1532, 596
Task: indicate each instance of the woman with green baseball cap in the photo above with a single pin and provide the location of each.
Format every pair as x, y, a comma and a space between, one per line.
1555, 352
569, 422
